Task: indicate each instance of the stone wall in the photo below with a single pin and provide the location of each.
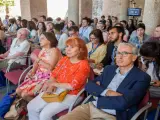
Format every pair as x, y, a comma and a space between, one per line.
97, 8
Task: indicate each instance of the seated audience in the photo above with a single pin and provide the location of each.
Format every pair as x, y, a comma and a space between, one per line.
101, 26
62, 42
18, 22
117, 91
114, 20
150, 52
156, 34
94, 24
157, 31
86, 29
96, 48
12, 30
42, 18
70, 74
141, 36
1, 24
24, 23
125, 25
19, 47
70, 24
108, 24
57, 31
125, 37
2, 38
33, 36
49, 27
41, 28
73, 31
2, 34
42, 67
6, 22
103, 19
116, 34
35, 21
131, 26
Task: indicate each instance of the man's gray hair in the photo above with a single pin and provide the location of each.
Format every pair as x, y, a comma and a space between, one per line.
134, 48
26, 31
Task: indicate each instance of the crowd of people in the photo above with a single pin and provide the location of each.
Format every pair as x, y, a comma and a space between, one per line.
128, 57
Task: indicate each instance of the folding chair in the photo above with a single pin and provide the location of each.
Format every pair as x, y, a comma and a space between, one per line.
143, 107
24, 73
157, 111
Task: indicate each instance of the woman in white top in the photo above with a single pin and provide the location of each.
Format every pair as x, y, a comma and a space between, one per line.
19, 47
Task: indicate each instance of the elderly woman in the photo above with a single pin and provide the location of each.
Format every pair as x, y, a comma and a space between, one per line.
19, 47
43, 65
70, 74
96, 48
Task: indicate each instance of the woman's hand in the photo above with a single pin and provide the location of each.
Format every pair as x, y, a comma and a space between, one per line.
156, 83
30, 74
91, 61
51, 89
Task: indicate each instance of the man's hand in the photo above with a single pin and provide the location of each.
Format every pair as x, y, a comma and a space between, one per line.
98, 83
113, 93
156, 83
99, 66
2, 56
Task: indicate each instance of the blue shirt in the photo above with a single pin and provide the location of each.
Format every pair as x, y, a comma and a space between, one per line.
85, 31
114, 84
135, 40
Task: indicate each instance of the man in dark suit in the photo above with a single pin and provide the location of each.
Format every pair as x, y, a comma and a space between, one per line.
118, 91
116, 34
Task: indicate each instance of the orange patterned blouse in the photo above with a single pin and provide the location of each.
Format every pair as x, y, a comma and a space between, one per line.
75, 74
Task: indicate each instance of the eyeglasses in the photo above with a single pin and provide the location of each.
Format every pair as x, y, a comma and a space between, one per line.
93, 38
124, 54
149, 60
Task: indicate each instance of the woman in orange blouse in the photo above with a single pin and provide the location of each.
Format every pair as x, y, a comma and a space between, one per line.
70, 74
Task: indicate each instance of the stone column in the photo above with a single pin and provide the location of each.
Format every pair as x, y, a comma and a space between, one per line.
73, 11
85, 9
111, 7
151, 16
124, 5
33, 8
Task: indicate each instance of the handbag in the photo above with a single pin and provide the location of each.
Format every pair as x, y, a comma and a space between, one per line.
17, 110
54, 97
58, 96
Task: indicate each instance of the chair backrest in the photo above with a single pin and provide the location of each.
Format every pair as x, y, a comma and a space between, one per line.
145, 100
91, 75
35, 52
